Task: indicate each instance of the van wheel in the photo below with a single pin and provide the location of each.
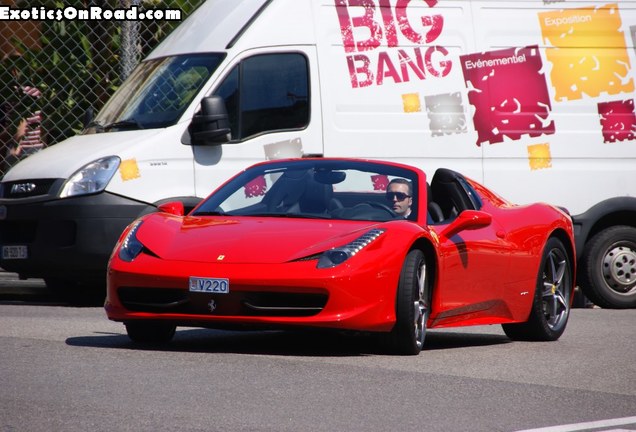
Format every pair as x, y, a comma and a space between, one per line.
150, 332
551, 305
608, 268
412, 306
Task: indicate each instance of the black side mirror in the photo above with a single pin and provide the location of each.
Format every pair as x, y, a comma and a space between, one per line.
88, 117
211, 125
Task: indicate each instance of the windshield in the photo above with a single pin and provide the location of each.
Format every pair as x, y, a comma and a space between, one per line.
156, 93
313, 188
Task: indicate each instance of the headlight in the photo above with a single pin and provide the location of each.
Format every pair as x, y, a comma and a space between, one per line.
91, 178
336, 256
131, 247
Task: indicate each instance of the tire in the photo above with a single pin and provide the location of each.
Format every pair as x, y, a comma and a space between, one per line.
150, 332
412, 306
607, 271
551, 305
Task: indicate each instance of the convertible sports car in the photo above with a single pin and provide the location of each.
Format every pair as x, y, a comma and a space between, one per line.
330, 243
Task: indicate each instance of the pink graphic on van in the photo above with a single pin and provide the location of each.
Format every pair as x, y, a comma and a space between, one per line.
618, 120
380, 182
509, 92
372, 31
256, 187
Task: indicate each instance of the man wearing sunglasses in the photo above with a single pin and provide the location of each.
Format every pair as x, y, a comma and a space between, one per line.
399, 193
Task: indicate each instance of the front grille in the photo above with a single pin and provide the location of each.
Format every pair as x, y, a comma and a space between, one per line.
26, 188
175, 300
153, 299
284, 304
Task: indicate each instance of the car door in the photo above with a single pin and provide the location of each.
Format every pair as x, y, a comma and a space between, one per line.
474, 262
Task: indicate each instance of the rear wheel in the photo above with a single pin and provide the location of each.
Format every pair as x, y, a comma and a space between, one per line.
551, 305
150, 332
413, 306
608, 268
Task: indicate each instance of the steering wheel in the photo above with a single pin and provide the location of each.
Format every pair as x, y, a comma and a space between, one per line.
382, 206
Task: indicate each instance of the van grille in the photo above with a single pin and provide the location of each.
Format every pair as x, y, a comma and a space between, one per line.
26, 188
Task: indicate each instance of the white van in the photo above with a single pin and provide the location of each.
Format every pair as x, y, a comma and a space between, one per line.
534, 99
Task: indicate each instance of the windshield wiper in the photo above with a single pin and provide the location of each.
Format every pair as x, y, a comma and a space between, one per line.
124, 124
94, 125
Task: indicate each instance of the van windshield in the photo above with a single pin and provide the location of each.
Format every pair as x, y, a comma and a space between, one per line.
156, 93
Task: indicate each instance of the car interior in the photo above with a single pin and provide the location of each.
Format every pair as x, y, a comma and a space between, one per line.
449, 195
304, 192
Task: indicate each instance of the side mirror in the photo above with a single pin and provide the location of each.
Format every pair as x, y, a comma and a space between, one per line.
88, 117
212, 124
173, 207
467, 220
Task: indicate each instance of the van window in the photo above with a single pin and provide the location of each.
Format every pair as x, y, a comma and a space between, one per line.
156, 93
265, 93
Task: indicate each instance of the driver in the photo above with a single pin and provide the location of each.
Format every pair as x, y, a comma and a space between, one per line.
399, 193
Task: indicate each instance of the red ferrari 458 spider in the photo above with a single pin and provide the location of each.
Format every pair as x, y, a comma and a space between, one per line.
346, 244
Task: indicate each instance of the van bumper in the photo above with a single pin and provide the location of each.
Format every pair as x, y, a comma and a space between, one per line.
70, 238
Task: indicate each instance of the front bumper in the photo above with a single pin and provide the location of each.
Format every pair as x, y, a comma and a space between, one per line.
70, 238
261, 295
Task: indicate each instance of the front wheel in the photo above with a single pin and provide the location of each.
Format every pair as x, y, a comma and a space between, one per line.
412, 306
607, 273
150, 332
551, 304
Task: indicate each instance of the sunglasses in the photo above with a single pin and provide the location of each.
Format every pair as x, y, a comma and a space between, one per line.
401, 196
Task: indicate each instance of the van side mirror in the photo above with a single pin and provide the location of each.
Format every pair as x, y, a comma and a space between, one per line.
467, 220
212, 124
88, 117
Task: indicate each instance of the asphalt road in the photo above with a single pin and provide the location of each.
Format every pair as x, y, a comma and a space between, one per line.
67, 368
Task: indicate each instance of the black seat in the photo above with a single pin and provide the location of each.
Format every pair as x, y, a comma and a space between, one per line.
316, 197
449, 194
434, 214
286, 191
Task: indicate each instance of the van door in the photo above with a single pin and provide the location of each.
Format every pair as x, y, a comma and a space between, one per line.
268, 96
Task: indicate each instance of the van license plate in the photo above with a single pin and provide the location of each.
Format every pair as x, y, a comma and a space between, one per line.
209, 285
14, 252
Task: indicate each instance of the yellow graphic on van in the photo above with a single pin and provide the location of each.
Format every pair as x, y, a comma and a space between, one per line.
539, 156
411, 102
588, 52
129, 170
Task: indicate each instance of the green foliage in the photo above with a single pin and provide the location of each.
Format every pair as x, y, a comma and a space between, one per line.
76, 67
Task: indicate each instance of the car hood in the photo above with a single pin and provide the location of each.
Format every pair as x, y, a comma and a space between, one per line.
265, 240
65, 158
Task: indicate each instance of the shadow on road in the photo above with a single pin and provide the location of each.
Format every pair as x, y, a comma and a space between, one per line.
283, 343
31, 296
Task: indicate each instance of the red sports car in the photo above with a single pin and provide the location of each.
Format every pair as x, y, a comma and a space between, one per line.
346, 244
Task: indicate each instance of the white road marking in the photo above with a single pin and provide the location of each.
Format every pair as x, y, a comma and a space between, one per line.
590, 425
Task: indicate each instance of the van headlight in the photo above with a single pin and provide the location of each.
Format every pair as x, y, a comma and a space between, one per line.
337, 256
91, 178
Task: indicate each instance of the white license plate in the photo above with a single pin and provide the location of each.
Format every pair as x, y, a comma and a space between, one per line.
14, 252
209, 285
